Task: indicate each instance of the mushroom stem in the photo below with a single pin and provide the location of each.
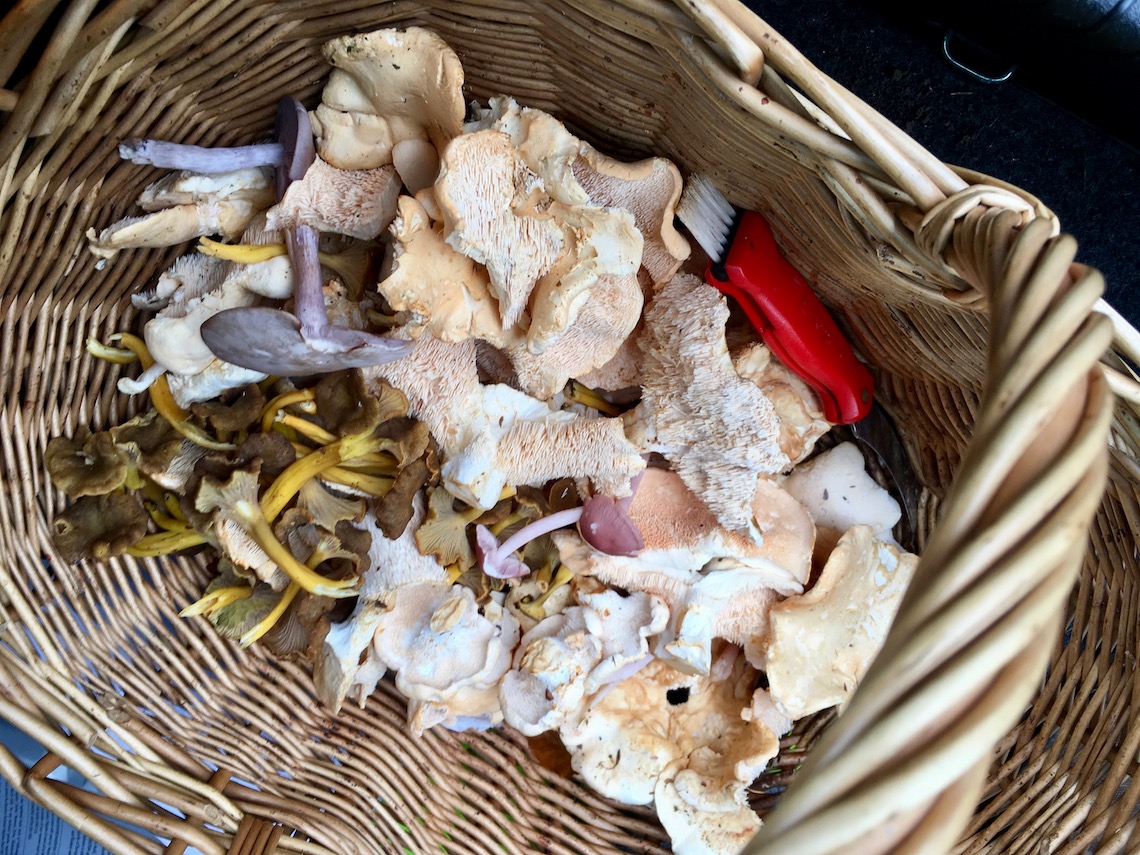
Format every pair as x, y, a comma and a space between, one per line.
241, 253
373, 485
581, 394
289, 482
257, 526
286, 399
164, 543
217, 599
195, 158
164, 402
536, 608
308, 293
306, 428
270, 620
116, 355
536, 529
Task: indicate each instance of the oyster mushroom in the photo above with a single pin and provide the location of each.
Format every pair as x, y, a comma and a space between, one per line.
823, 641
718, 429
386, 87
448, 655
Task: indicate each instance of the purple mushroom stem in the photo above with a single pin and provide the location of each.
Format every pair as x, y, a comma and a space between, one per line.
196, 158
498, 560
308, 289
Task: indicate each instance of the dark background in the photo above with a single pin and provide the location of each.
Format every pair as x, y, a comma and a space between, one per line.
1062, 127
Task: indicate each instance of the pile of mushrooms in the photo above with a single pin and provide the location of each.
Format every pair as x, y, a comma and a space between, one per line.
438, 392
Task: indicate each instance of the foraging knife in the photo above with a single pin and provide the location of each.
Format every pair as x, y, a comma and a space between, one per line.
794, 324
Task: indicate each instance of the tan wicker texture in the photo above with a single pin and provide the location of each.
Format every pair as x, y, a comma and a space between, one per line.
955, 742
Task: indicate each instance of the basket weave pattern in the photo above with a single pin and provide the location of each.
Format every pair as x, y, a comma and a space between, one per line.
955, 288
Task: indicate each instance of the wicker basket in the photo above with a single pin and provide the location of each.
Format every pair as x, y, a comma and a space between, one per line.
189, 738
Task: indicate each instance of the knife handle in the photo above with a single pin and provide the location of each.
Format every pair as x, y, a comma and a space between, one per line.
792, 321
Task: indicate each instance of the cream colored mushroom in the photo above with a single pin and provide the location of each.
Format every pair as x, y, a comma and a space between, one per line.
569, 657
184, 206
359, 203
718, 429
838, 493
441, 290
448, 656
797, 405
823, 641
486, 195
660, 717
386, 87
347, 665
696, 827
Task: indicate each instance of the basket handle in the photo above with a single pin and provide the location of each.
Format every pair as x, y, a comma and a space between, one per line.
902, 767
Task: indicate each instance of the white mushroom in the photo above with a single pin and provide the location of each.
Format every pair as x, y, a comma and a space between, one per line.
569, 657
718, 429
696, 827
448, 656
184, 206
838, 493
823, 641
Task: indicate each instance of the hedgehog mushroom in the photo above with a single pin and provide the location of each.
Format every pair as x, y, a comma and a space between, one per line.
386, 87
485, 193
717, 428
359, 203
440, 290
823, 641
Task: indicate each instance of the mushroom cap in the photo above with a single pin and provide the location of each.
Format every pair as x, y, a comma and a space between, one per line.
838, 493
649, 189
346, 662
359, 203
410, 78
99, 527
823, 641
697, 830
441, 290
485, 193
89, 466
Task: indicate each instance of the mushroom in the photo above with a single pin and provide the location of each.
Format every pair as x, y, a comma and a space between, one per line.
86, 466
571, 656
575, 173
822, 642
99, 527
441, 290
485, 193
193, 274
717, 429
697, 825
359, 203
838, 493
448, 657
346, 663
660, 720
386, 87
185, 206
492, 436
717, 583
797, 405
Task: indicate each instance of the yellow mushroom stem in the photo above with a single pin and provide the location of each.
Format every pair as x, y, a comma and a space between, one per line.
508, 521
242, 253
287, 399
373, 485
252, 519
164, 402
217, 599
581, 394
166, 542
163, 520
170, 502
117, 355
376, 463
289, 482
536, 608
305, 428
270, 620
